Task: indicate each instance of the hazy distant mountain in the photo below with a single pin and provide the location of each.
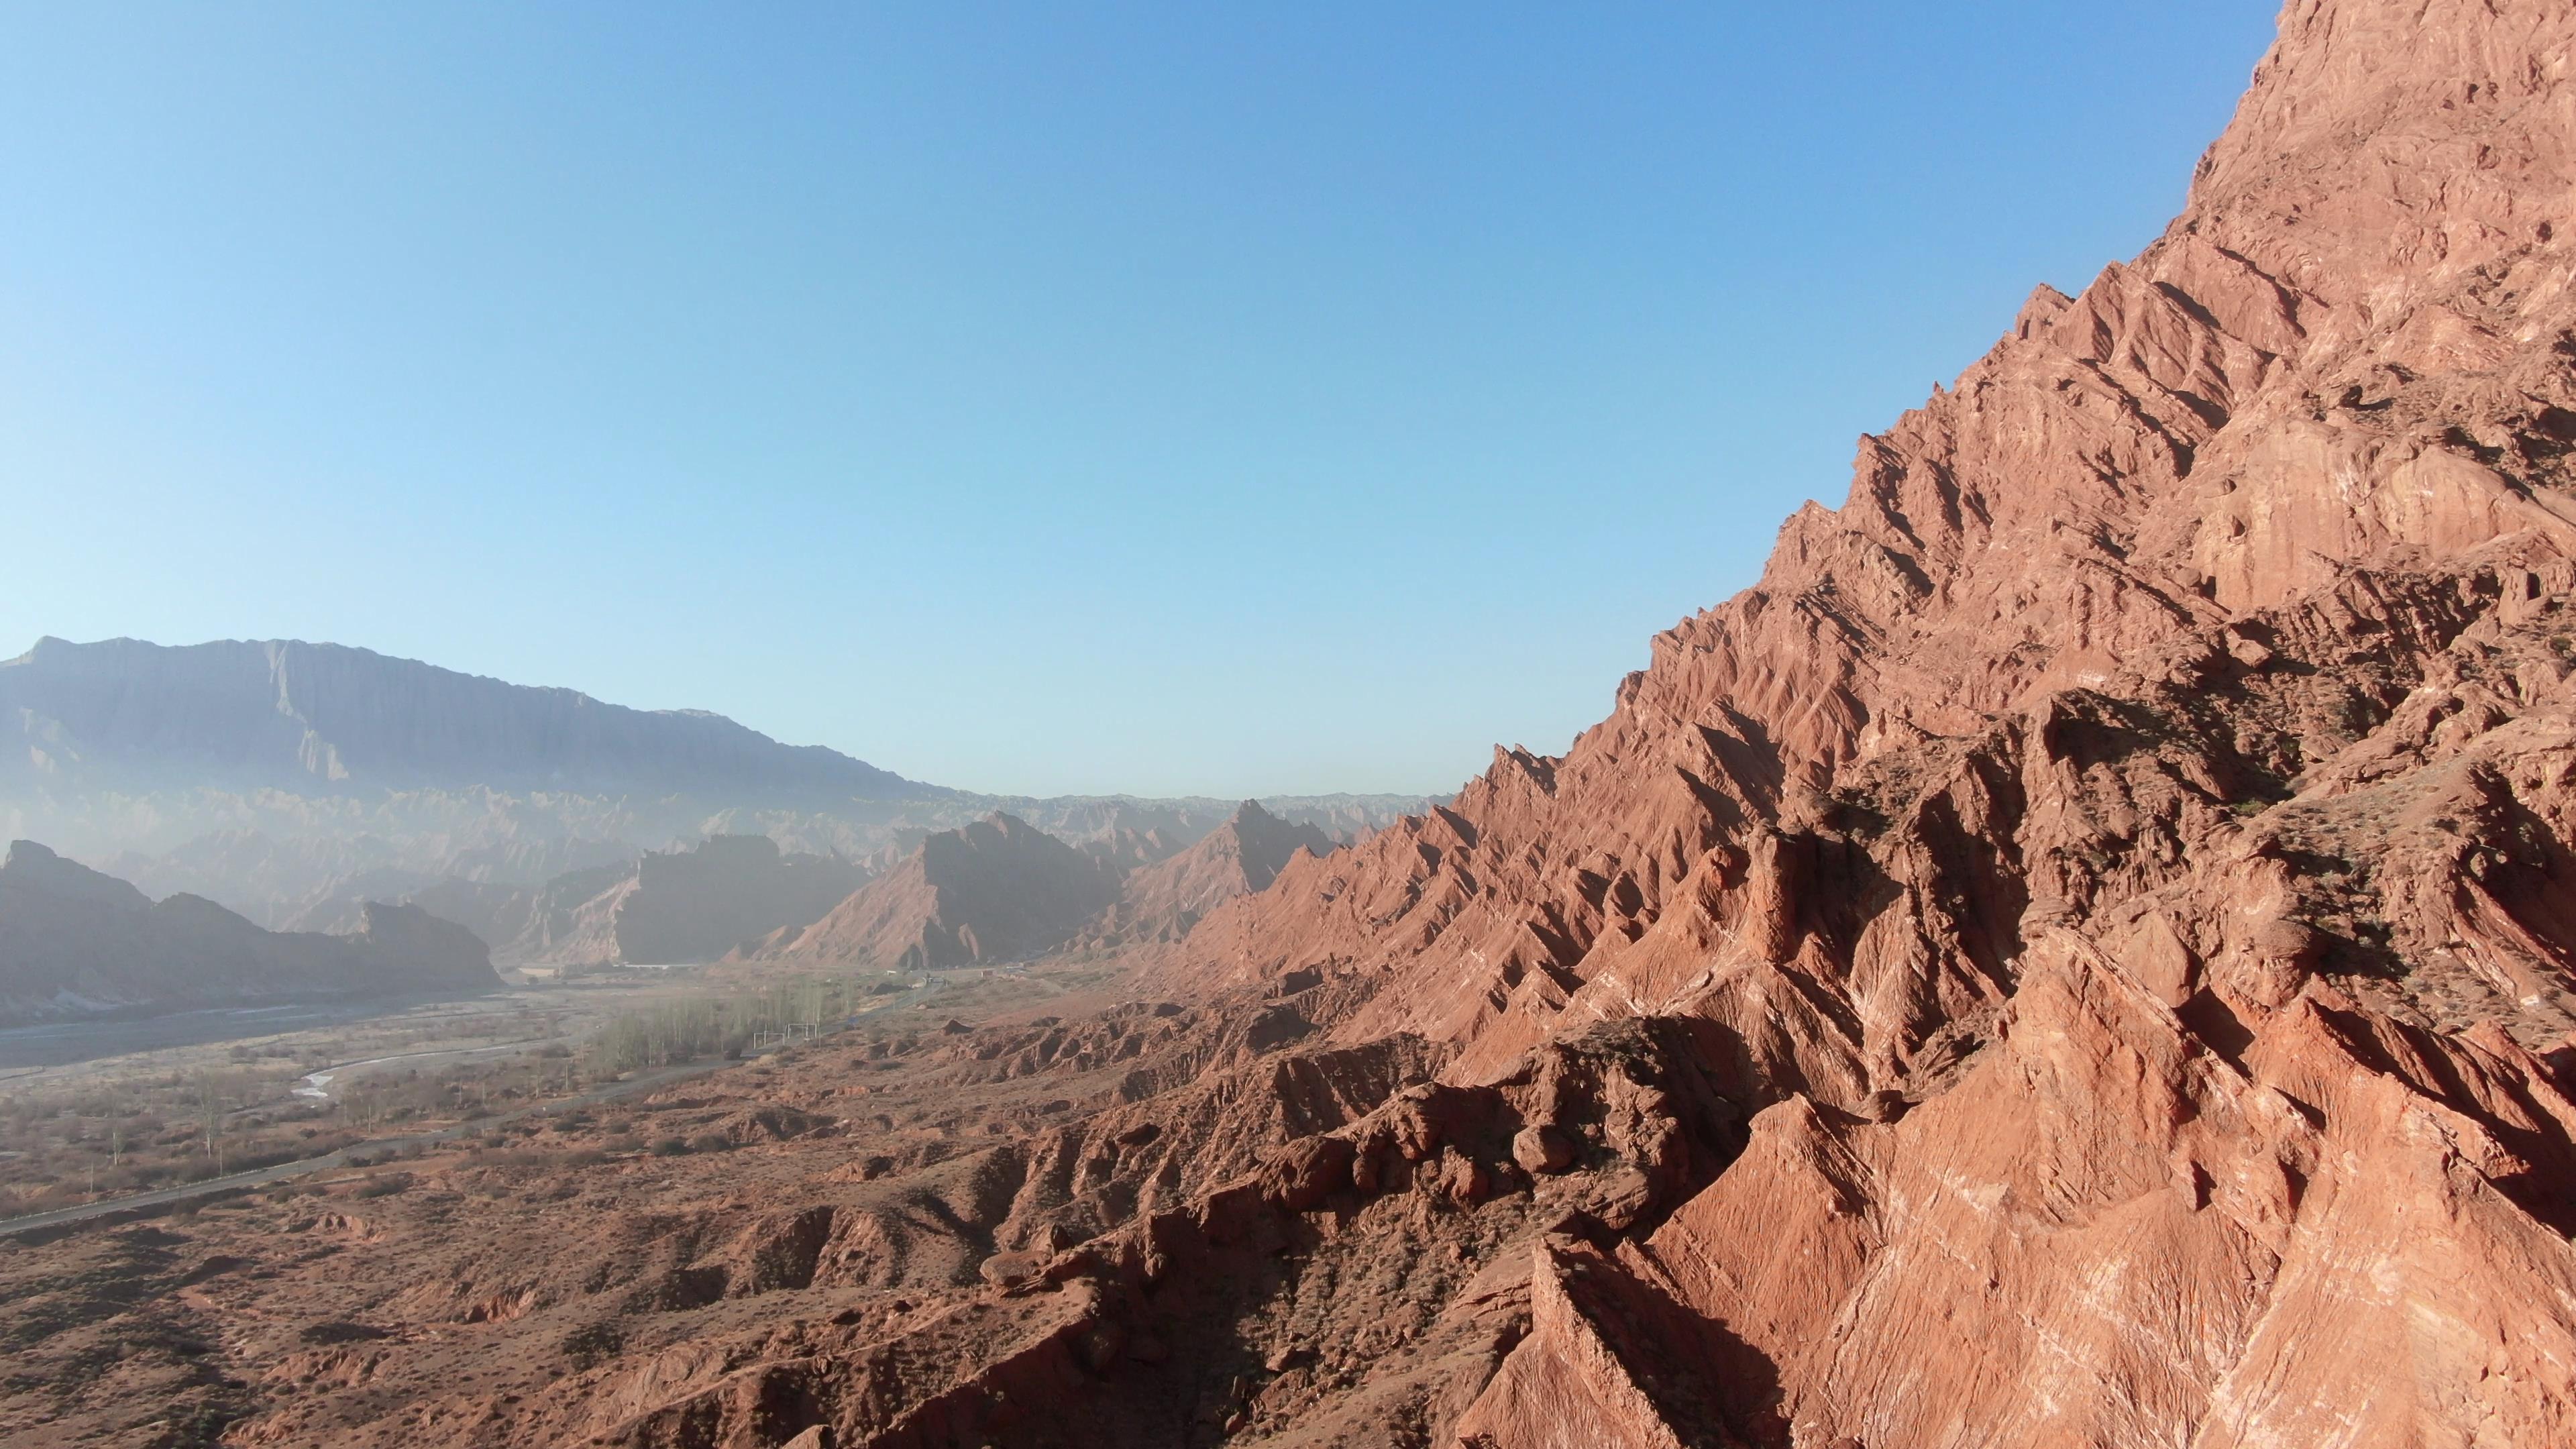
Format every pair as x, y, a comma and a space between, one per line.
668, 907
998, 889
293, 782
76, 943
324, 718
562, 919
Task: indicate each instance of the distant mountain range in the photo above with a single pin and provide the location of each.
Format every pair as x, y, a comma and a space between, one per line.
75, 943
999, 889
666, 908
327, 719
293, 782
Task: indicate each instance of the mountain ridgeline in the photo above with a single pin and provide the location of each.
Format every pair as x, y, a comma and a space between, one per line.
1002, 890
2081, 953
324, 718
75, 943
292, 782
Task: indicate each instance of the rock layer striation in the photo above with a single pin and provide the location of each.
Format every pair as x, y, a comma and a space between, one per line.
2080, 953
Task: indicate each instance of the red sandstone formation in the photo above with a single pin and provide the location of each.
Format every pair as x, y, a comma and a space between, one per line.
2160, 772
1163, 900
688, 905
2079, 955
1002, 890
997, 890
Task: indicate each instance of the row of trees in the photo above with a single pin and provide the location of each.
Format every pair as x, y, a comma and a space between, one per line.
697, 1028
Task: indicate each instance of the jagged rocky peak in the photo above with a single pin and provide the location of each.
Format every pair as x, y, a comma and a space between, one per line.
2079, 954
32, 867
2083, 848
1165, 900
1263, 843
995, 889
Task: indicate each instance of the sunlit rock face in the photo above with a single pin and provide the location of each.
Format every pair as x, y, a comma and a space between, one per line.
2080, 954
999, 889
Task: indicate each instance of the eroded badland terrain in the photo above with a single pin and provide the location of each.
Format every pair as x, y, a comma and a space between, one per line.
2079, 954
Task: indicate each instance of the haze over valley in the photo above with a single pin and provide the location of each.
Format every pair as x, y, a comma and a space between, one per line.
296, 783
2079, 950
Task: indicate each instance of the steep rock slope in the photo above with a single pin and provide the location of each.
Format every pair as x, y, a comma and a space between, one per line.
2160, 772
999, 889
2079, 955
1162, 899
2324, 415
688, 905
75, 943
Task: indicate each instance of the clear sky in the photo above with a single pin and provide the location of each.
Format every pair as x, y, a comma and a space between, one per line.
1215, 398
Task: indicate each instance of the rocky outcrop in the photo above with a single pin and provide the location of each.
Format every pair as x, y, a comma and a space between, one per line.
2121, 853
1162, 899
2080, 954
2215, 520
1002, 890
293, 781
696, 905
997, 890
75, 943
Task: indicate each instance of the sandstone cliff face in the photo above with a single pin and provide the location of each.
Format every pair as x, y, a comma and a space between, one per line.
1162, 898
2080, 954
75, 943
676, 906
2159, 770
997, 890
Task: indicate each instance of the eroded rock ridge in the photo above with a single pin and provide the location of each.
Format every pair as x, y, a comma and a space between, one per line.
2079, 954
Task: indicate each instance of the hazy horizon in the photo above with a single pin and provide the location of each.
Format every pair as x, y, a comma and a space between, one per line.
1253, 796
1136, 402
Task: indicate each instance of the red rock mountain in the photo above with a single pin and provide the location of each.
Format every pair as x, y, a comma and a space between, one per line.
1164, 900
2083, 953
550, 923
2122, 855
999, 889
75, 943
672, 906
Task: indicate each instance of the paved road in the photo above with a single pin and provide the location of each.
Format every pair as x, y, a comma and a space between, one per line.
336, 1070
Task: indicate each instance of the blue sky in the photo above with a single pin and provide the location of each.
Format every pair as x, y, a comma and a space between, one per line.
1159, 398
